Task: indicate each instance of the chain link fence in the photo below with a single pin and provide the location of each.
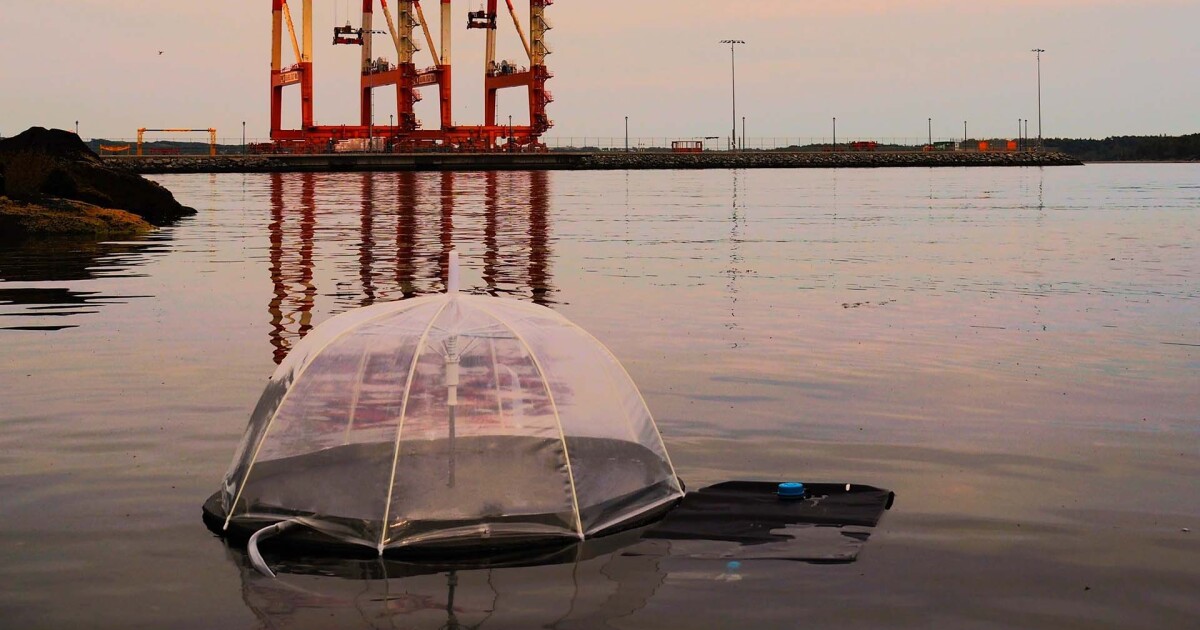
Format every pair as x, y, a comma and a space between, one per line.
154, 146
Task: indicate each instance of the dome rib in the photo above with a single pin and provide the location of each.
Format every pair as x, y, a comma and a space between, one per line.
662, 445
300, 373
412, 368
553, 405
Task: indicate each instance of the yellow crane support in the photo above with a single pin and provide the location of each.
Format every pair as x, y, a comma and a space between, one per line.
387, 15
428, 37
287, 16
520, 31
212, 137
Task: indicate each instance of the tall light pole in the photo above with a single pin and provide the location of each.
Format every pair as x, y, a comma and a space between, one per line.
627, 134
835, 133
1039, 52
930, 133
77, 127
243, 137
743, 133
733, 87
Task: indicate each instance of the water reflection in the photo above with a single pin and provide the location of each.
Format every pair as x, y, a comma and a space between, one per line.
580, 588
508, 239
291, 269
32, 275
734, 270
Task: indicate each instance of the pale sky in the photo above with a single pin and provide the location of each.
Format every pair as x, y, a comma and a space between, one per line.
882, 67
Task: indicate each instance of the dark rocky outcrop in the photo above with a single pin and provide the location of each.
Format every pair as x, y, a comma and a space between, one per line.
41, 164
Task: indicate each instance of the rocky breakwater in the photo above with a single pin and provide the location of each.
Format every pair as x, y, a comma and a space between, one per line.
52, 184
771, 159
150, 165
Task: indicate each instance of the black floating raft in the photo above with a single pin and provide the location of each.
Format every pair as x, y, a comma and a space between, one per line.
734, 520
829, 523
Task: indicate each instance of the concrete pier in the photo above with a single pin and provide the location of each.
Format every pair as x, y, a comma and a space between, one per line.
614, 160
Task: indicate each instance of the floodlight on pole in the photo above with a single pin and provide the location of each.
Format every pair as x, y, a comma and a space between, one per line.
733, 87
1039, 52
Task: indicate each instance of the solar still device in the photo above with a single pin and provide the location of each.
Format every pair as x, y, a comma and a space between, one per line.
444, 421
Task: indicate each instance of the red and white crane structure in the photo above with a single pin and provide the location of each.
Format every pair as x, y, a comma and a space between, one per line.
408, 133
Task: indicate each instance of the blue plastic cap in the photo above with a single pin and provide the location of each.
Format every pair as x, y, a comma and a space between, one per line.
791, 490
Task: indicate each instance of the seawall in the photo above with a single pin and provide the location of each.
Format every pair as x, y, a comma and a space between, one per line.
359, 162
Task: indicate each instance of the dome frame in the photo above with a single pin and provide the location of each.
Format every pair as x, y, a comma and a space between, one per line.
513, 425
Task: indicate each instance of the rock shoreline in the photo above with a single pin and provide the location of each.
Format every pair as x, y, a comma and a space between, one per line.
578, 161
65, 218
52, 184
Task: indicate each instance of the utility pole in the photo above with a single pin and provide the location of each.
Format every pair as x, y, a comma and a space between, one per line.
733, 88
835, 133
243, 137
743, 133
1039, 52
627, 134
964, 132
930, 133
77, 127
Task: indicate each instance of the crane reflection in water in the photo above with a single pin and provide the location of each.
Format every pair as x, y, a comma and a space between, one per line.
339, 241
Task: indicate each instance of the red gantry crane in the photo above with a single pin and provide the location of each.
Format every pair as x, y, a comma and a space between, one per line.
408, 133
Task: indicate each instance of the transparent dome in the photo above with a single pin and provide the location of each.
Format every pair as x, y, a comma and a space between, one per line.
451, 419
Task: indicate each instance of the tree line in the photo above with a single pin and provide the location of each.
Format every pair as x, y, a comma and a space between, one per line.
1130, 148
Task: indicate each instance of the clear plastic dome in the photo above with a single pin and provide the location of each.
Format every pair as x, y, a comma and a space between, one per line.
450, 419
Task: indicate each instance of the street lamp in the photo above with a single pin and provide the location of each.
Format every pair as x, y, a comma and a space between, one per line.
627, 134
743, 133
77, 127
931, 133
835, 133
243, 137
1039, 52
733, 84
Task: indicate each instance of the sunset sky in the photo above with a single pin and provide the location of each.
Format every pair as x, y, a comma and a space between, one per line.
882, 67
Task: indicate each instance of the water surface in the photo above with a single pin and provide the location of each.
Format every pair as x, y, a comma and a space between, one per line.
1015, 352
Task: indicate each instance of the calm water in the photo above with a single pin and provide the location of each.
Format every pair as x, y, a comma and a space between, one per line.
1016, 352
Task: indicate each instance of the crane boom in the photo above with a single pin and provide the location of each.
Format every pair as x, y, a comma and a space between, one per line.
517, 23
428, 37
387, 15
287, 16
